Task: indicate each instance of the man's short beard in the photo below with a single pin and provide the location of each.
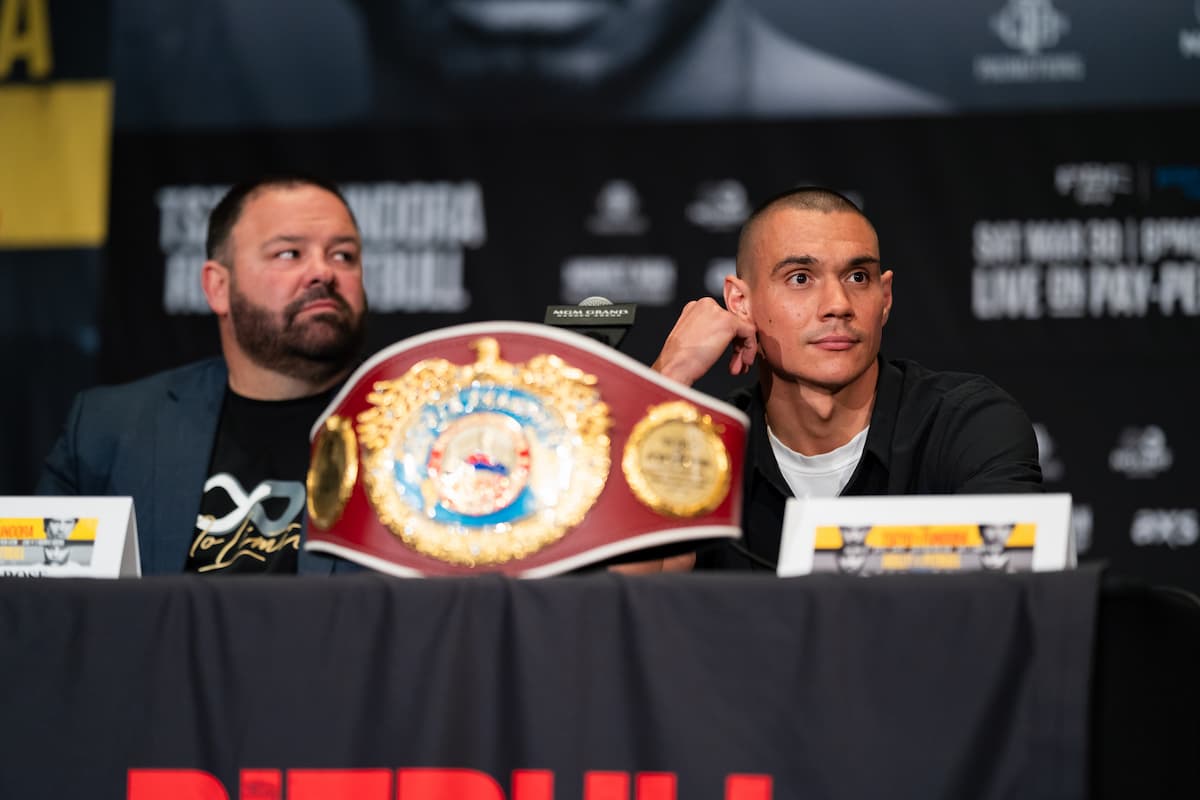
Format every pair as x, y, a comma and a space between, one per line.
314, 350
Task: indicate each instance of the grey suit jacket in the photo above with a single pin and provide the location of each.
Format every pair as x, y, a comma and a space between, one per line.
152, 440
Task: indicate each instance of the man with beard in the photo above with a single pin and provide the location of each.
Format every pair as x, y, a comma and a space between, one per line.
215, 453
830, 416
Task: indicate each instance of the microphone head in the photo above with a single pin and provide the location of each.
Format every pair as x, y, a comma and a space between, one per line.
595, 300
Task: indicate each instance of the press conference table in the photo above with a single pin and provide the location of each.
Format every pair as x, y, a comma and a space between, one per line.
1054, 685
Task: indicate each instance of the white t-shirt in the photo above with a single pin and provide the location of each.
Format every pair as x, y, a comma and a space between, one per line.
823, 475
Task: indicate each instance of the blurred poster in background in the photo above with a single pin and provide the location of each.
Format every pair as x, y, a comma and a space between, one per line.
56, 100
332, 62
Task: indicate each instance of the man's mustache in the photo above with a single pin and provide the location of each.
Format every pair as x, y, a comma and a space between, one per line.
837, 330
318, 292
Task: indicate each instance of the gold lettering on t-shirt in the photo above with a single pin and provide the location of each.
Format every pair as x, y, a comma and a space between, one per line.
244, 542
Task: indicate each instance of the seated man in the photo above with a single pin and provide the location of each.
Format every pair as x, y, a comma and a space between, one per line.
829, 415
215, 453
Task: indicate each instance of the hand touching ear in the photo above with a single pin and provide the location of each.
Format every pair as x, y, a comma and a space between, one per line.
700, 336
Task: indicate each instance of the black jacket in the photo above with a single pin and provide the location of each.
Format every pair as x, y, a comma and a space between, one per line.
931, 433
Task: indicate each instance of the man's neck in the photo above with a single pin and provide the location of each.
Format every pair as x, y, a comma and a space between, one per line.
812, 420
256, 382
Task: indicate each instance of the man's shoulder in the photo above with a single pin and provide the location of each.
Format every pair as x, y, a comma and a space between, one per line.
197, 376
922, 396
915, 379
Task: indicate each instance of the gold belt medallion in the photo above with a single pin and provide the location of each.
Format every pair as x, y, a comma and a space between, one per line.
332, 471
675, 461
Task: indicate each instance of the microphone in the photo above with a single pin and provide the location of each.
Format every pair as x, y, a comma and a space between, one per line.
597, 317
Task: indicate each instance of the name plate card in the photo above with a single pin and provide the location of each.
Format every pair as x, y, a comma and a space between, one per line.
927, 533
68, 537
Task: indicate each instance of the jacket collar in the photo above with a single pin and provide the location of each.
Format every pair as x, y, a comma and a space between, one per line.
185, 433
885, 412
185, 428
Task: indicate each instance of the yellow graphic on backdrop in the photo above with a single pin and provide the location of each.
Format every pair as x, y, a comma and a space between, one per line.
54, 140
25, 36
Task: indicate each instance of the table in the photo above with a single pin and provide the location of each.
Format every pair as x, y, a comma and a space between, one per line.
595, 686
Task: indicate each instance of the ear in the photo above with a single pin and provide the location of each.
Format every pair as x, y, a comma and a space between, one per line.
885, 281
214, 279
737, 296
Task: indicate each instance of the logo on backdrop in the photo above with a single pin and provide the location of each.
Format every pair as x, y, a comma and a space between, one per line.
1174, 527
1093, 184
1189, 38
719, 206
714, 276
1052, 468
647, 279
618, 211
1101, 267
1184, 177
414, 239
1141, 453
1031, 27
182, 225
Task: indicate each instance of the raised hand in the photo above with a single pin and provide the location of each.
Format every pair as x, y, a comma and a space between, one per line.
701, 335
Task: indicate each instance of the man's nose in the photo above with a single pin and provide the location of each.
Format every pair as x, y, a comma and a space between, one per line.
835, 301
320, 269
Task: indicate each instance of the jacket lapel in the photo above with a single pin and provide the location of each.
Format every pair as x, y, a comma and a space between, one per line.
185, 429
185, 433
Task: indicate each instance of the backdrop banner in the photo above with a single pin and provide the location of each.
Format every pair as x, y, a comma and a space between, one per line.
1057, 254
56, 108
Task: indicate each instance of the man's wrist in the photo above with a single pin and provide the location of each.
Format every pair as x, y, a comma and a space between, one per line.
675, 371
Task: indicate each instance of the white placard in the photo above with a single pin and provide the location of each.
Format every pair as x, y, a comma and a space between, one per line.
927, 533
68, 537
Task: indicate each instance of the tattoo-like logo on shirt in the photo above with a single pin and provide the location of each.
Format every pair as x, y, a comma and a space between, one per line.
248, 530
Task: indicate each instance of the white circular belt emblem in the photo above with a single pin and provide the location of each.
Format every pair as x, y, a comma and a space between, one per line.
480, 463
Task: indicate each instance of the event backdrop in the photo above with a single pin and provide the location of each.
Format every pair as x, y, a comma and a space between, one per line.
1030, 164
56, 99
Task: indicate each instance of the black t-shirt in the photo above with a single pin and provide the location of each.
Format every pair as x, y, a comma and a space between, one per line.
252, 510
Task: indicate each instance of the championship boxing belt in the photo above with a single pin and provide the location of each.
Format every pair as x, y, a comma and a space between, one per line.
517, 448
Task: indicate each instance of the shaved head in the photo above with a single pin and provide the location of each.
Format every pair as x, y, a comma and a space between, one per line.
805, 198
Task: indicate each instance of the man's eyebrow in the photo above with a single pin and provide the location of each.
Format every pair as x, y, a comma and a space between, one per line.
863, 261
293, 239
795, 261
282, 239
